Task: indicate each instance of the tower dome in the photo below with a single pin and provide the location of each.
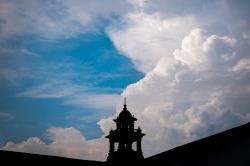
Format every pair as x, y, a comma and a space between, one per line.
125, 114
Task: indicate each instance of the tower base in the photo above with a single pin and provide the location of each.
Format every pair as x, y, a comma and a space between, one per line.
124, 157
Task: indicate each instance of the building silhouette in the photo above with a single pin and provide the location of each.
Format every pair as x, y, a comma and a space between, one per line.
229, 148
124, 136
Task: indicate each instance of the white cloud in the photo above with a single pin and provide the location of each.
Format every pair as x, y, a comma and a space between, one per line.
200, 52
138, 4
67, 142
189, 90
54, 19
242, 65
32, 145
72, 94
148, 37
98, 101
191, 95
52, 89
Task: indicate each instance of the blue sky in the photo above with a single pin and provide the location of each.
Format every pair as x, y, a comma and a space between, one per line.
65, 67
88, 61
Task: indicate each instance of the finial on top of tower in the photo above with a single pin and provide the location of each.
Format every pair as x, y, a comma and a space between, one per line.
125, 104
125, 101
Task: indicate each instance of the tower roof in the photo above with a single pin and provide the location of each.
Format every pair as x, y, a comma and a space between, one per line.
125, 115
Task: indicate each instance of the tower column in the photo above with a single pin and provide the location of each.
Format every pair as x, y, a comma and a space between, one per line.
138, 142
111, 146
138, 145
129, 145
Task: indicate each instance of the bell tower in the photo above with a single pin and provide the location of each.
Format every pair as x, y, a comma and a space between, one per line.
124, 136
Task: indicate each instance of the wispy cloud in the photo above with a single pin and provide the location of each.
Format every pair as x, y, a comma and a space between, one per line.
8, 75
52, 89
73, 94
54, 19
97, 101
174, 45
4, 116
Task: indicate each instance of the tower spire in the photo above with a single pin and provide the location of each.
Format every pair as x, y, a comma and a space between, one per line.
124, 104
125, 101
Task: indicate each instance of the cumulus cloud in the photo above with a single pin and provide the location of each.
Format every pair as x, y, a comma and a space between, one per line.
147, 37
200, 52
191, 93
188, 91
67, 142
196, 80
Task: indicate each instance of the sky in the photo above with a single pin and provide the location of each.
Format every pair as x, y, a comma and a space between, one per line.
66, 65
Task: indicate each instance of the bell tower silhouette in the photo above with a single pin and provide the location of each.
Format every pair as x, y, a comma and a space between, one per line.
125, 135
